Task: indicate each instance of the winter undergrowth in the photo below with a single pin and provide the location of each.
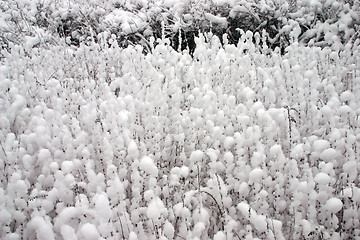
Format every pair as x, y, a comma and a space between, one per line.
234, 142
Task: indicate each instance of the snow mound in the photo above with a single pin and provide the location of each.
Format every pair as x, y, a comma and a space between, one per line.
102, 206
148, 166
322, 178
44, 230
229, 143
259, 222
220, 236
222, 21
184, 171
89, 232
256, 175
155, 208
196, 156
44, 155
334, 205
321, 145
67, 232
67, 166
297, 152
133, 149
328, 155
168, 230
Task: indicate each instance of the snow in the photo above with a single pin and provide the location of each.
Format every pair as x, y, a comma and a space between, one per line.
220, 236
168, 230
198, 229
155, 208
229, 142
244, 208
89, 232
196, 156
328, 155
44, 155
244, 189
67, 166
32, 41
259, 222
334, 205
216, 19
321, 145
5, 216
276, 226
43, 229
147, 165
102, 206
351, 168
256, 175
67, 232
184, 171
306, 225
297, 152
133, 236
133, 149
99, 141
322, 178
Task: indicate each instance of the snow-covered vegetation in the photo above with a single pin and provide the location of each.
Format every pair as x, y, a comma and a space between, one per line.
312, 22
224, 141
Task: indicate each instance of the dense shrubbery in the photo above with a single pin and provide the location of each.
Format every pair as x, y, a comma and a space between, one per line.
320, 23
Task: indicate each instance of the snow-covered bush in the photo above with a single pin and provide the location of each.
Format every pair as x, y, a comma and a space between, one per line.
228, 142
315, 23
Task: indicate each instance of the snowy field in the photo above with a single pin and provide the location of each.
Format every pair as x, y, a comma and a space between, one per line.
234, 142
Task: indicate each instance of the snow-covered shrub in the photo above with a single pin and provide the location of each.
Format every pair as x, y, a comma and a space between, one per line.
99, 141
274, 23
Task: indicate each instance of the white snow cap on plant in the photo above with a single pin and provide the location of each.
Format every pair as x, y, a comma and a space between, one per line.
196, 156
328, 155
44, 230
212, 154
67, 166
334, 205
298, 152
198, 229
321, 145
102, 206
148, 166
351, 169
31, 41
259, 222
243, 189
44, 155
229, 142
322, 178
184, 171
220, 236
256, 175
67, 232
216, 19
133, 149
133, 236
155, 208
149, 194
168, 230
276, 225
89, 232
245, 209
